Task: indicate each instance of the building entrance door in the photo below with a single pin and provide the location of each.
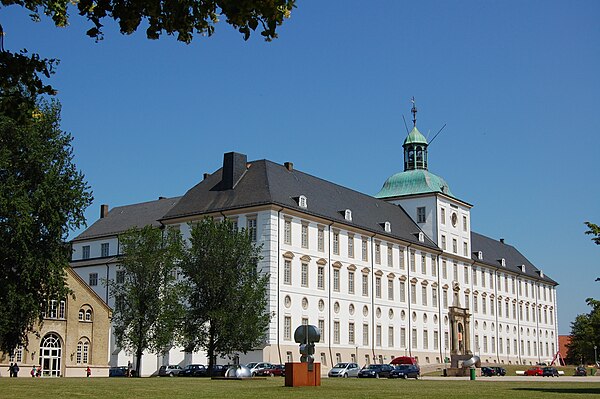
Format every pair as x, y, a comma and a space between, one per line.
50, 355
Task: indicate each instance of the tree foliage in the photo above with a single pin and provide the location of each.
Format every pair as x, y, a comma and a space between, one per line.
594, 230
227, 297
585, 334
147, 306
183, 18
42, 197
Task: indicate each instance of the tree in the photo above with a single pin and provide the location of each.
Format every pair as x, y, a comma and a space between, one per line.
147, 305
585, 334
594, 230
227, 297
42, 197
184, 18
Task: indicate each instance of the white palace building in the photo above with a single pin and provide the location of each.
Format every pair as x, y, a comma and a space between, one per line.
377, 274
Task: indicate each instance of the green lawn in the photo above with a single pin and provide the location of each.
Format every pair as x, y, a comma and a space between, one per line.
176, 388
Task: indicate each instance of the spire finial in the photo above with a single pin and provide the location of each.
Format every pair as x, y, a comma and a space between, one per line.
414, 111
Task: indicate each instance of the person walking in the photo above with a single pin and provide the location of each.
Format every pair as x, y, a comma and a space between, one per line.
16, 370
10, 370
88, 371
32, 372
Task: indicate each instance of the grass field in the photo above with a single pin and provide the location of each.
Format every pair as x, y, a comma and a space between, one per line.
511, 369
180, 388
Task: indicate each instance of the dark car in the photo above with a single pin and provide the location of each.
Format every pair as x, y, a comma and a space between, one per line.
194, 370
581, 371
488, 371
406, 371
217, 370
376, 371
117, 371
170, 370
499, 370
550, 372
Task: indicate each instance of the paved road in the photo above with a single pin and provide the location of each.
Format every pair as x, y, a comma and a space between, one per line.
595, 379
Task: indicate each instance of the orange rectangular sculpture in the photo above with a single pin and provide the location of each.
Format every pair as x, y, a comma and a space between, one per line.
298, 375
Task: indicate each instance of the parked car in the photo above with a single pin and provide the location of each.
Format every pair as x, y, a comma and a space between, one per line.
499, 370
403, 360
278, 370
488, 372
375, 371
581, 371
344, 370
120, 371
260, 369
171, 370
406, 371
534, 371
550, 372
218, 370
194, 370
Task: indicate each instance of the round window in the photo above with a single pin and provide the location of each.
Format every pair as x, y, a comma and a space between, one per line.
351, 309
454, 219
304, 303
287, 301
336, 307
365, 311
321, 305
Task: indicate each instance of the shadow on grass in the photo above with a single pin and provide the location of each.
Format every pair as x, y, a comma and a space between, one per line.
561, 390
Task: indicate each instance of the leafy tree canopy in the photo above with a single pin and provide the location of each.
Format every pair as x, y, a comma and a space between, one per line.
183, 17
585, 334
147, 305
594, 230
227, 297
42, 197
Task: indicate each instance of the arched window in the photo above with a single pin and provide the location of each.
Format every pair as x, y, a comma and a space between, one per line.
83, 350
81, 315
88, 315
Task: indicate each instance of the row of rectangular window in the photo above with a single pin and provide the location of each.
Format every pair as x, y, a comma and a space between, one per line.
287, 334
104, 250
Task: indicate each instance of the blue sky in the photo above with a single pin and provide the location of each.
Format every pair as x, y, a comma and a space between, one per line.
517, 84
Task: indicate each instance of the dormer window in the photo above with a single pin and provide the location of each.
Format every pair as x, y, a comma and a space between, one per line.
541, 273
387, 226
302, 203
522, 267
502, 262
421, 236
348, 214
479, 255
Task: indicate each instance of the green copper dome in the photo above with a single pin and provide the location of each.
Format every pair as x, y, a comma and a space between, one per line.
418, 181
415, 137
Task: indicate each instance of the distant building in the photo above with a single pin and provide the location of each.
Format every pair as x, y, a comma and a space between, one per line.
376, 274
74, 336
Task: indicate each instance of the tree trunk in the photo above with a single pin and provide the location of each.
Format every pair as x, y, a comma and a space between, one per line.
211, 349
138, 362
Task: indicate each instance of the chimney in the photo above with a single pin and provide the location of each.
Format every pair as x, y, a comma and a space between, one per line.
289, 166
161, 198
204, 176
103, 210
502, 240
234, 166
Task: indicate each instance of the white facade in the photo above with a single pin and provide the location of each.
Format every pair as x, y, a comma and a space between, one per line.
373, 295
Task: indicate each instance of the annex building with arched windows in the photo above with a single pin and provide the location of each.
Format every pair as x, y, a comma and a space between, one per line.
391, 274
74, 335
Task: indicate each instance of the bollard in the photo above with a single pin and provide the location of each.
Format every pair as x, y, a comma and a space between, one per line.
473, 373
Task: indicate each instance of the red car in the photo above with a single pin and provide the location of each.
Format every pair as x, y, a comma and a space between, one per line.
534, 371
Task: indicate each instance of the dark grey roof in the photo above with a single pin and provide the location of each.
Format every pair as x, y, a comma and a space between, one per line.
494, 250
266, 182
125, 217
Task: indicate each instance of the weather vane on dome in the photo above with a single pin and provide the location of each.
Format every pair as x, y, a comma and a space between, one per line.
414, 111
